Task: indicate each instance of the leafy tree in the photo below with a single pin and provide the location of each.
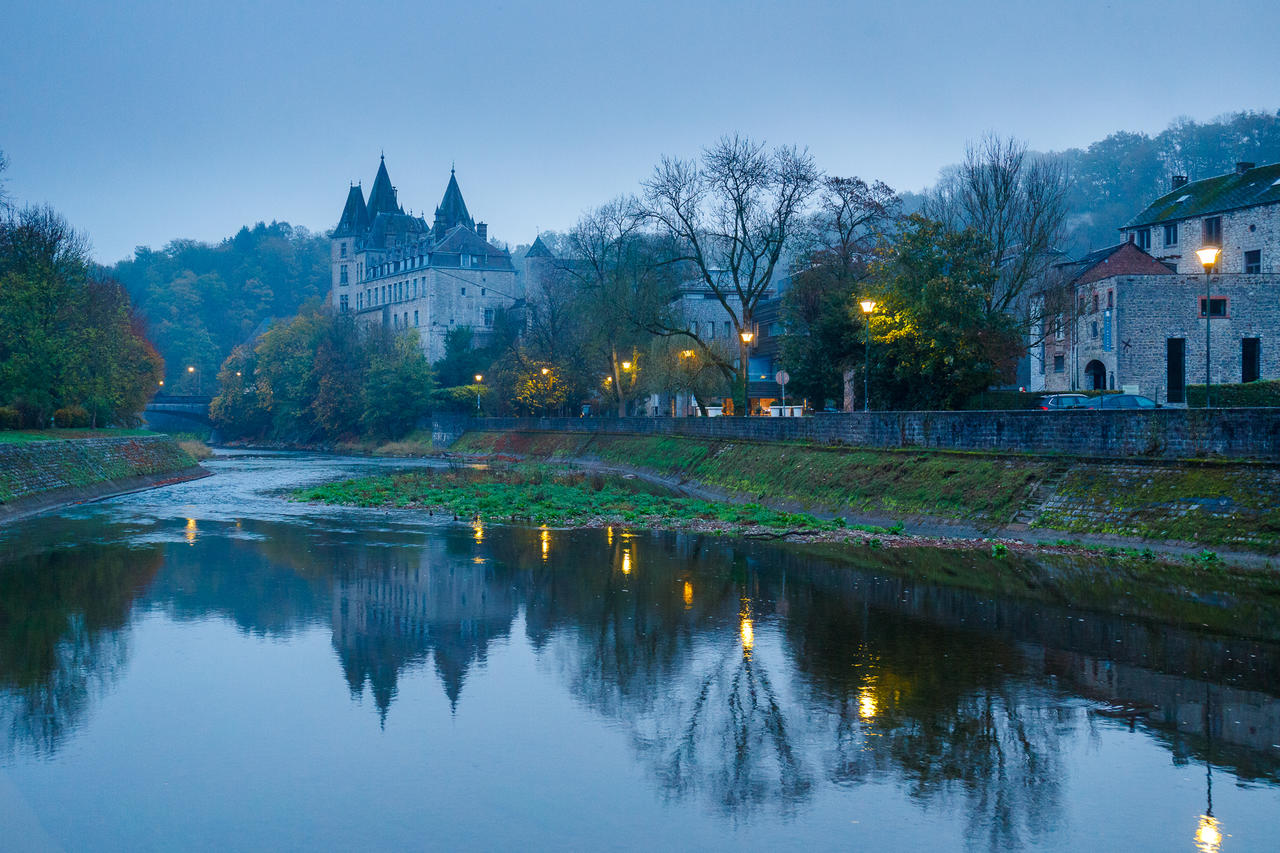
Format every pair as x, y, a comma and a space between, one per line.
934, 343
540, 389
398, 384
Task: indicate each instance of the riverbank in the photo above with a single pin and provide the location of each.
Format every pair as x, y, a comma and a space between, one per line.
40, 471
1184, 506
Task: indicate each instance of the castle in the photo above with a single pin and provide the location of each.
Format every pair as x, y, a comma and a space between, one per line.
392, 268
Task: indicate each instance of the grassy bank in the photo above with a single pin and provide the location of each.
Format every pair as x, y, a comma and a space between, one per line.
27, 436
1216, 505
557, 497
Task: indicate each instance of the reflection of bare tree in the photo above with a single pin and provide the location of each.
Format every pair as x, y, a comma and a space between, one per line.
63, 638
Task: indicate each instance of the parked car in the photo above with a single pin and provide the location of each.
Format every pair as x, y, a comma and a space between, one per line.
1122, 401
1058, 402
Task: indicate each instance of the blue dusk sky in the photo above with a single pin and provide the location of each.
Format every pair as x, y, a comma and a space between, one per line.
148, 121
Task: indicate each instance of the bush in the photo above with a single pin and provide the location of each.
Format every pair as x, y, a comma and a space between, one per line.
10, 418
71, 417
1245, 395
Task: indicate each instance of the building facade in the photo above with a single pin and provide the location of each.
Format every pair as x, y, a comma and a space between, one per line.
394, 269
1135, 316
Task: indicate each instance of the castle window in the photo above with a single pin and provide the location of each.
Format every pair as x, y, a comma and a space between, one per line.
343, 303
1111, 299
1059, 363
1250, 359
483, 291
1213, 231
1217, 306
342, 250
1095, 305
1060, 329
464, 291
1253, 261
488, 318
1144, 239
1093, 329
342, 274
1171, 234
415, 319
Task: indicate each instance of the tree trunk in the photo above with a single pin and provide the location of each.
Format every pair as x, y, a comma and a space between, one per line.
617, 381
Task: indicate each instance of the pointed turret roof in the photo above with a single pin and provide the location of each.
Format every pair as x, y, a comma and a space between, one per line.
538, 249
452, 210
382, 198
355, 215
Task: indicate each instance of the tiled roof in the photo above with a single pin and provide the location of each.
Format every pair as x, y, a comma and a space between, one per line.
1260, 185
538, 250
382, 198
1124, 259
452, 210
462, 240
355, 216
393, 223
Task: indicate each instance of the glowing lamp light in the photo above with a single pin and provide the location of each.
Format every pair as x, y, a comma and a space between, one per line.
686, 353
748, 337
626, 365
1208, 256
191, 369
1208, 835
545, 371
479, 378
868, 305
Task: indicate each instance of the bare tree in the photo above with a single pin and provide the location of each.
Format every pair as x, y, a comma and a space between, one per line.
1018, 202
5, 203
730, 217
620, 281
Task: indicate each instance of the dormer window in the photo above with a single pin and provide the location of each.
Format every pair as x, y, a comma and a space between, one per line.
464, 260
1144, 239
1171, 234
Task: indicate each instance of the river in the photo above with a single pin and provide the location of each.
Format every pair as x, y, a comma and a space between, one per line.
208, 666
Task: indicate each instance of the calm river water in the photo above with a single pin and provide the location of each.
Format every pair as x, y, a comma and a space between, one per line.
209, 667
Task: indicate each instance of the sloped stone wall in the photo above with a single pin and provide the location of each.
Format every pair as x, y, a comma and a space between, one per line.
42, 473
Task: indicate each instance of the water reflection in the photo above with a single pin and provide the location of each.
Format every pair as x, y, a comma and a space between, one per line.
746, 678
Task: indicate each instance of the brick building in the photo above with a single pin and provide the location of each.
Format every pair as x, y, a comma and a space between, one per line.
392, 268
1133, 316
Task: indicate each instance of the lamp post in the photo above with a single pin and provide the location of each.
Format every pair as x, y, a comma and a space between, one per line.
868, 305
192, 370
479, 379
748, 335
1208, 257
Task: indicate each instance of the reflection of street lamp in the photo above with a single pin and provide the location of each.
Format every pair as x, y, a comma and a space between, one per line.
868, 305
1208, 257
479, 379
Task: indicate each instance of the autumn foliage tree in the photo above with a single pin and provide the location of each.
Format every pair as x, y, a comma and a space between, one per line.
71, 344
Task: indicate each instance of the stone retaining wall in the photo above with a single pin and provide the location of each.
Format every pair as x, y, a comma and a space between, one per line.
1158, 434
44, 473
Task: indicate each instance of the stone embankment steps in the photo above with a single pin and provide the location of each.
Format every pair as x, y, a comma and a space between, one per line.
1042, 494
38, 475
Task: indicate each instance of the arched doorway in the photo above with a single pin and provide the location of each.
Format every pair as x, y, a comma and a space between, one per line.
1096, 374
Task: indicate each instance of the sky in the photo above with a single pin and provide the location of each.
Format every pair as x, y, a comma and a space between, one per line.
142, 122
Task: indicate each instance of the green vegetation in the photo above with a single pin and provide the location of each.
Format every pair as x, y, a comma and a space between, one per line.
72, 349
1241, 394
538, 494
203, 300
951, 485
319, 378
1221, 505
29, 436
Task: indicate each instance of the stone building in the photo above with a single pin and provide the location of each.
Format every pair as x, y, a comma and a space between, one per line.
393, 268
1134, 315
1238, 212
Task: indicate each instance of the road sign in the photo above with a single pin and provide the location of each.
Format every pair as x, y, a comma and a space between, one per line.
782, 377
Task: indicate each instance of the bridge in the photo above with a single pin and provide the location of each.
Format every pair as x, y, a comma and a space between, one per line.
175, 412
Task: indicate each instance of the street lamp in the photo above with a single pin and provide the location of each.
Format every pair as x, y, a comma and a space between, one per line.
1208, 257
626, 365
192, 370
868, 305
545, 371
479, 379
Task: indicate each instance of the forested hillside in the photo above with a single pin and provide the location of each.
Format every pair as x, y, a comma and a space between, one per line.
201, 300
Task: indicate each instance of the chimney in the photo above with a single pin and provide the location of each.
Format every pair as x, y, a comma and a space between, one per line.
1179, 181
482, 228
1244, 166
